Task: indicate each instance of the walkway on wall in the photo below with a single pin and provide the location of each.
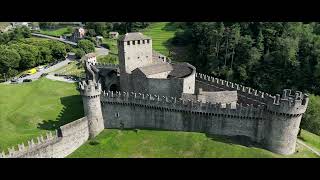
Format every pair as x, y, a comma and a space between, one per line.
309, 147
54, 38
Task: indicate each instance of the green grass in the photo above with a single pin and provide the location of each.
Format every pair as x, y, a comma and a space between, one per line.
150, 143
161, 33
55, 32
113, 45
310, 139
30, 109
72, 69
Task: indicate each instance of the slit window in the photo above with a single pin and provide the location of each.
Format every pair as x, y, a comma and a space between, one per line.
138, 41
148, 41
133, 42
128, 43
142, 41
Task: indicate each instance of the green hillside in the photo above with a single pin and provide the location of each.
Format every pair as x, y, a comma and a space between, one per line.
29, 109
149, 143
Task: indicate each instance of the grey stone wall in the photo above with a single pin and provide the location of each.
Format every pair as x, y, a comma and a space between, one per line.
273, 129
218, 96
58, 145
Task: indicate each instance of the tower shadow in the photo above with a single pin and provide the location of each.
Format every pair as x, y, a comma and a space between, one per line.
72, 110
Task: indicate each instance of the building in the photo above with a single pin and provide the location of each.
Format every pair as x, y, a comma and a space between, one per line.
113, 35
91, 58
146, 90
78, 34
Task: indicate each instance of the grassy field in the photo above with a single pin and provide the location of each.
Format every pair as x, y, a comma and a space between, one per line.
149, 143
72, 69
161, 33
30, 109
311, 139
55, 32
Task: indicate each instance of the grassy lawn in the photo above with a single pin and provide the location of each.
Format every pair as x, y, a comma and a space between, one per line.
72, 69
161, 33
149, 143
113, 45
30, 109
310, 139
55, 32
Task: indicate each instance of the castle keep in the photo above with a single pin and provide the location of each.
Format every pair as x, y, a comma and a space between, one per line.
147, 90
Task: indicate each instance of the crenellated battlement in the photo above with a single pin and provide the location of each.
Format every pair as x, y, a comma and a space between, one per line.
179, 104
32, 145
290, 103
247, 92
90, 88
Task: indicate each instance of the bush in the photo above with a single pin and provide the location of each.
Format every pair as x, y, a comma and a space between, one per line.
311, 119
79, 53
105, 45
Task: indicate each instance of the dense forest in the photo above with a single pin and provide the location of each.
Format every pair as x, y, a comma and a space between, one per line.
269, 56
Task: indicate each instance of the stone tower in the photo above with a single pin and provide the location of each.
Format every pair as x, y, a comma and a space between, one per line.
134, 50
90, 92
283, 120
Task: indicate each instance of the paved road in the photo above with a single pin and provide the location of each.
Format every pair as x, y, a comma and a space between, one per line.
59, 78
309, 147
39, 73
101, 51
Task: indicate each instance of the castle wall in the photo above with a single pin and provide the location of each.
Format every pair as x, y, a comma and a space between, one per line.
246, 95
70, 137
117, 115
218, 96
142, 111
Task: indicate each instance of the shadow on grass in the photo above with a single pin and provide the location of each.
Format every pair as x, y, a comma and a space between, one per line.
72, 110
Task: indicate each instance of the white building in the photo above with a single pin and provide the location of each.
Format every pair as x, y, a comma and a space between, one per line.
91, 58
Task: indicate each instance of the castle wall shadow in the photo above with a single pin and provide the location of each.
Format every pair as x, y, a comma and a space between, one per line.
72, 110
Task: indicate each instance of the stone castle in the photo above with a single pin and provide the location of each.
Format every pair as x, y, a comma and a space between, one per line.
147, 90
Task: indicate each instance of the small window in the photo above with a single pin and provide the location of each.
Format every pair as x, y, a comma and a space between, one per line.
146, 56
128, 57
138, 57
142, 41
148, 41
138, 41
117, 114
128, 43
133, 42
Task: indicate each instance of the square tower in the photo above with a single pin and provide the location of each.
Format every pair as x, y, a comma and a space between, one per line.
135, 50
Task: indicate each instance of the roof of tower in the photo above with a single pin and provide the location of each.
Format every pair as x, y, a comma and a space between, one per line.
155, 68
133, 36
180, 70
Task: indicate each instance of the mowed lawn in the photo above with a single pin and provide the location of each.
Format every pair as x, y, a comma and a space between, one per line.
55, 32
156, 144
30, 109
160, 32
311, 139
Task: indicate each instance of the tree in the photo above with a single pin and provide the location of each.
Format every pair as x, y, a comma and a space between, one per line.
86, 45
9, 61
79, 53
58, 51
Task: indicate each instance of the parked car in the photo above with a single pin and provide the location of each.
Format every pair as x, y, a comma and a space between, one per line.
23, 75
27, 80
44, 74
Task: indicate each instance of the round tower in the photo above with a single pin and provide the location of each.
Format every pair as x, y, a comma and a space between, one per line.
90, 92
283, 117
